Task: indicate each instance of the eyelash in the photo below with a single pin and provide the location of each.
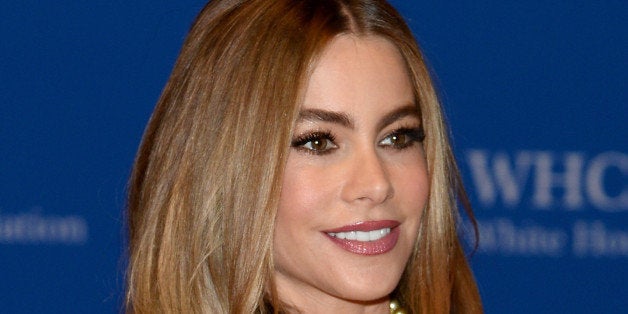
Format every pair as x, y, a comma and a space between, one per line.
300, 141
415, 134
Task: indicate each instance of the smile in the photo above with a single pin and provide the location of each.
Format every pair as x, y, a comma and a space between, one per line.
362, 236
366, 238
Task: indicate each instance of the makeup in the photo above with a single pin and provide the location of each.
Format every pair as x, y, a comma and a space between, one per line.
366, 238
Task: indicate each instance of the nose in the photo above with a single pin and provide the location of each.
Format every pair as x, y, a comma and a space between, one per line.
367, 179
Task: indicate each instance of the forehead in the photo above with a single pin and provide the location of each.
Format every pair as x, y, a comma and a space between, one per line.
359, 73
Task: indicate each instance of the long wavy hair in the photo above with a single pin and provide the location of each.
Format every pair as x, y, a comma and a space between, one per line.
206, 182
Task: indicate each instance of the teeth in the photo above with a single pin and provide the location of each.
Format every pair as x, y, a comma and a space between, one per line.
363, 236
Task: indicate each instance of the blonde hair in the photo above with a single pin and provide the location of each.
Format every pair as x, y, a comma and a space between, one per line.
206, 182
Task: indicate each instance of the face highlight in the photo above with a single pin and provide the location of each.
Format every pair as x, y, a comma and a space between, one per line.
355, 182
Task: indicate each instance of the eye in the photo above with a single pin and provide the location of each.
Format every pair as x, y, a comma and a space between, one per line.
402, 138
318, 144
315, 143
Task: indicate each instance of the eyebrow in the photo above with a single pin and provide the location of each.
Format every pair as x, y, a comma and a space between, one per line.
410, 110
326, 116
343, 119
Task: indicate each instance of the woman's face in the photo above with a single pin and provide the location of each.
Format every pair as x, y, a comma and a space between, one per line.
355, 183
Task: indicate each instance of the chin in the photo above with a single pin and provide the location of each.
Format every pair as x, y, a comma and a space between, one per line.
367, 288
367, 296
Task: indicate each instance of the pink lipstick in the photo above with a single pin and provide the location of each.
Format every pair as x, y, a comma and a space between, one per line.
366, 238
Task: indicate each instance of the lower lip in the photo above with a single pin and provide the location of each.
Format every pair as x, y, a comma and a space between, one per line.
378, 247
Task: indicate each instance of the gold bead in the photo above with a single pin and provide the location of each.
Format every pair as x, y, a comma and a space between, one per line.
395, 308
394, 304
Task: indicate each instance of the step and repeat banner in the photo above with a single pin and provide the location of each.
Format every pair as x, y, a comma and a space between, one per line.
535, 94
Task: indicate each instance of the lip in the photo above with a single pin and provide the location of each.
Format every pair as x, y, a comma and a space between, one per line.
381, 246
366, 226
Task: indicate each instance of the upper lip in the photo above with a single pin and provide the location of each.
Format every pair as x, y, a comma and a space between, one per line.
366, 226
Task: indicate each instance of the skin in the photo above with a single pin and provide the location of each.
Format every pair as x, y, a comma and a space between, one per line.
356, 169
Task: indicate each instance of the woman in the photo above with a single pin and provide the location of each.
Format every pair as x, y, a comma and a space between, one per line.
297, 161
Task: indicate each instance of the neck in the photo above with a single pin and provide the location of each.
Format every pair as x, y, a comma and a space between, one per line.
306, 306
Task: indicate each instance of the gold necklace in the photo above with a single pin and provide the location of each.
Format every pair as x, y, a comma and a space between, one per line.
395, 307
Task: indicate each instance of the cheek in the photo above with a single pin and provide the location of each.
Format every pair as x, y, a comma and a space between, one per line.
411, 184
305, 192
414, 184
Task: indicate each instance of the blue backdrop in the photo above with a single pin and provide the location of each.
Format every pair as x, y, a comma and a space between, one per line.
535, 94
